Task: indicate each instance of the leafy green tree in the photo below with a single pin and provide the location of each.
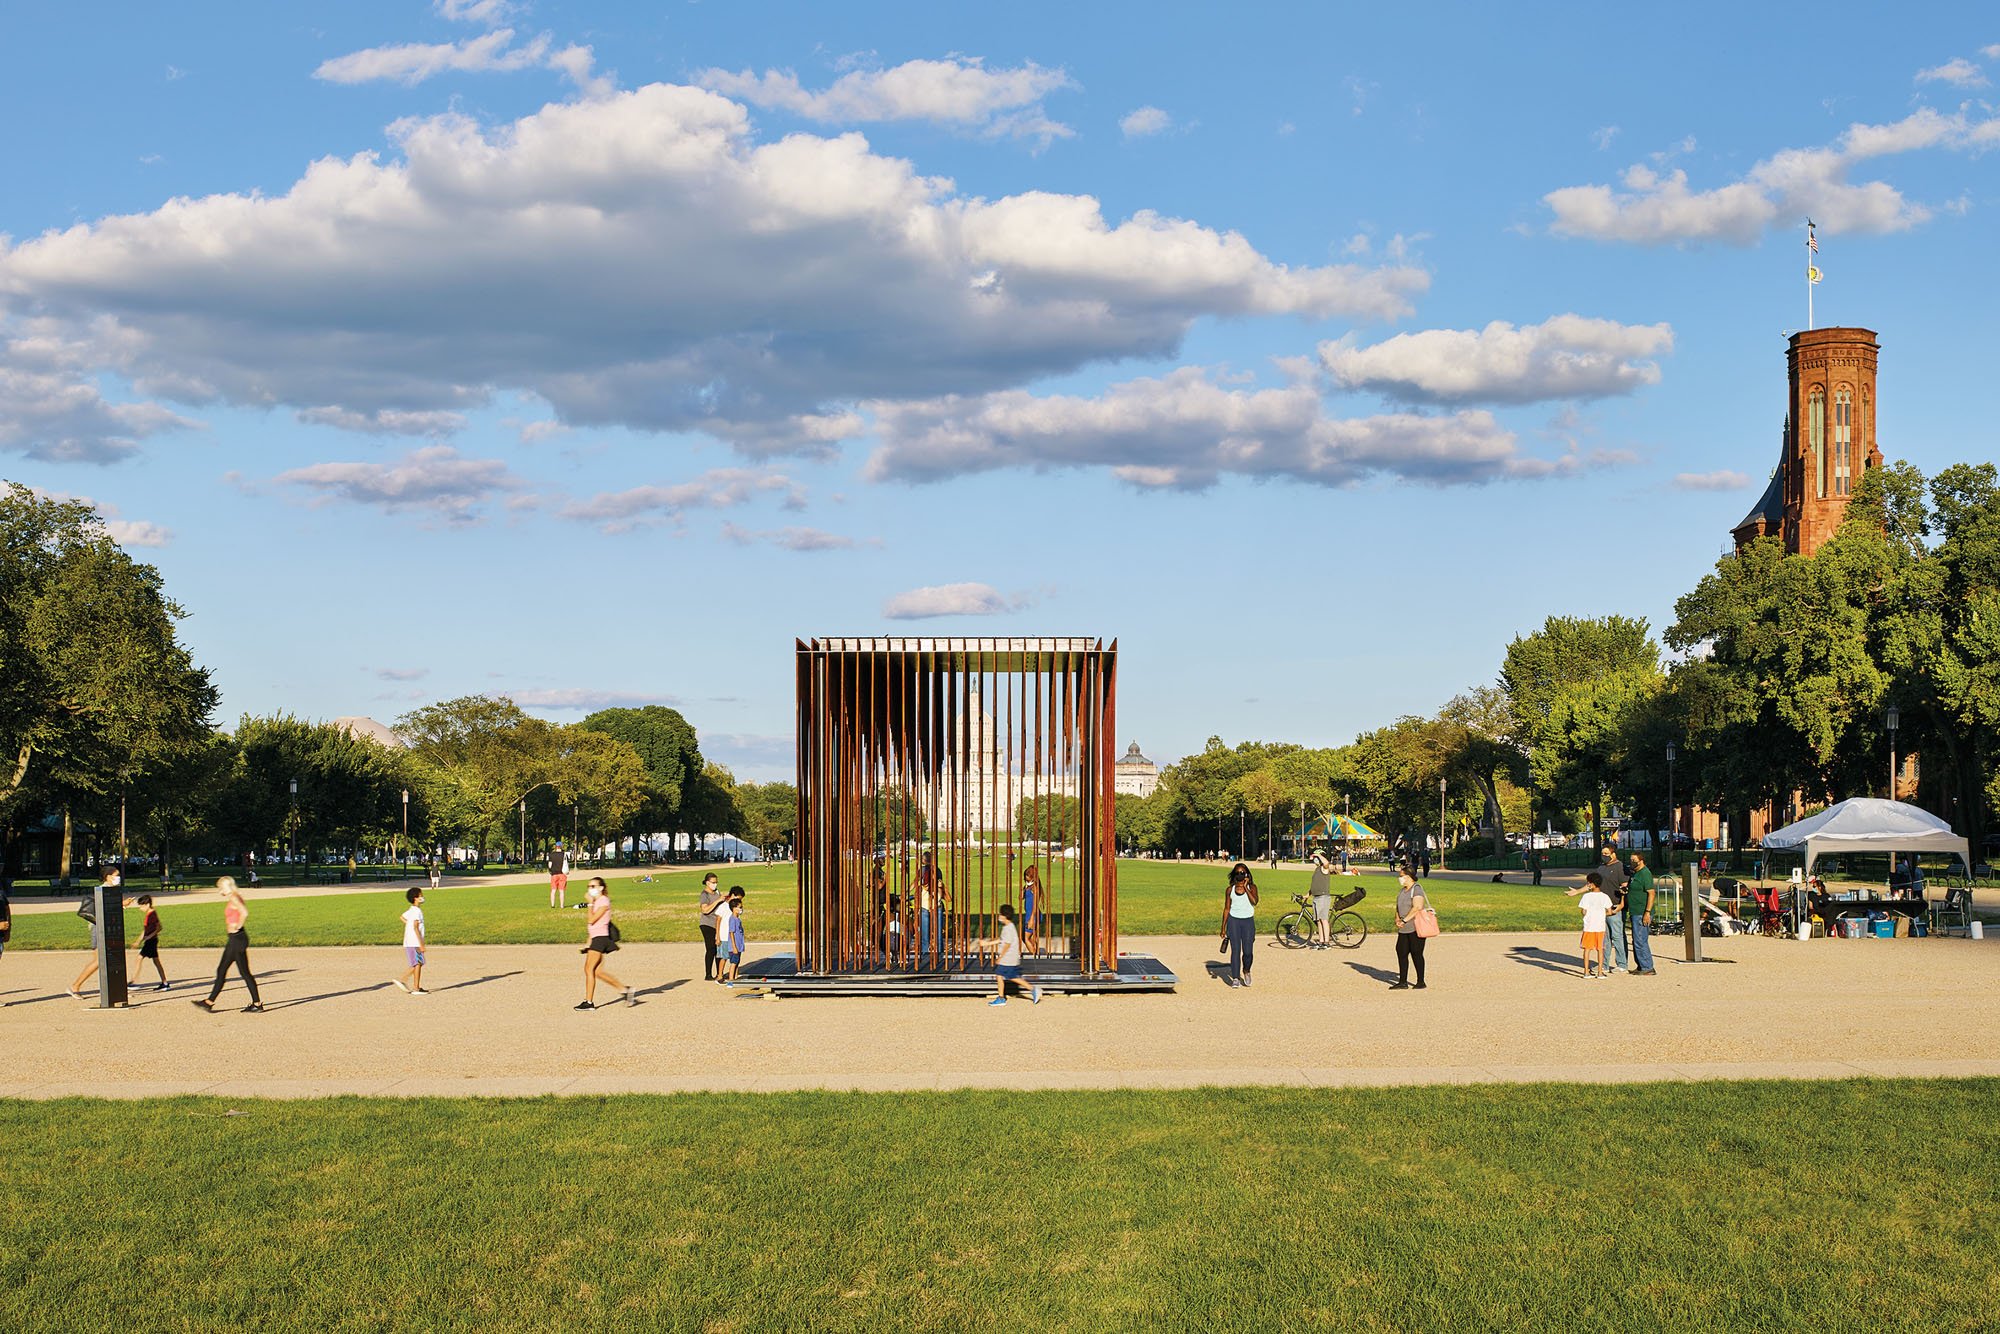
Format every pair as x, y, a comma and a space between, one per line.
96, 691
671, 754
769, 812
1569, 687
1049, 817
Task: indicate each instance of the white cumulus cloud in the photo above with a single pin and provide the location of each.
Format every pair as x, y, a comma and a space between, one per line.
719, 488
412, 62
385, 421
935, 600
1649, 207
1723, 479
792, 538
959, 91
636, 260
125, 532
1564, 357
436, 480
1143, 121
1958, 71
1187, 429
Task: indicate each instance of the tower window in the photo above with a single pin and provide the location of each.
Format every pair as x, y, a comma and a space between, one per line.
1843, 414
1816, 435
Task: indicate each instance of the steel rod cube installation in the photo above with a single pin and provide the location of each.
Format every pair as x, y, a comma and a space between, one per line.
932, 775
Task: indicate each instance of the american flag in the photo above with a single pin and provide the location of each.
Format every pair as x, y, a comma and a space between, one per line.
1811, 244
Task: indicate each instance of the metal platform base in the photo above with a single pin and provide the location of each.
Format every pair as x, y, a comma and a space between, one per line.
778, 975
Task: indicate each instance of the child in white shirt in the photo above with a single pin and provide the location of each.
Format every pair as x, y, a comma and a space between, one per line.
1596, 905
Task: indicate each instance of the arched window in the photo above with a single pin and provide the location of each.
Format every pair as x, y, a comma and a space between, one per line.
1816, 435
1843, 455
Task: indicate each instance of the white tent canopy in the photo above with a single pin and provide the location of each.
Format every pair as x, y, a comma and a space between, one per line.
1869, 824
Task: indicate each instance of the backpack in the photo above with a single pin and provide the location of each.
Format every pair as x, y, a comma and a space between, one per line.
87, 910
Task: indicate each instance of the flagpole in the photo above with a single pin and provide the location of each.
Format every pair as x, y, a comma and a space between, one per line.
1812, 270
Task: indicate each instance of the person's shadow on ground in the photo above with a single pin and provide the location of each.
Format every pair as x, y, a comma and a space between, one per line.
326, 995
1548, 960
662, 989
476, 981
1219, 970
1369, 970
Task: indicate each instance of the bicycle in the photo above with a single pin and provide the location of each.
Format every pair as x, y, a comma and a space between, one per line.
1298, 929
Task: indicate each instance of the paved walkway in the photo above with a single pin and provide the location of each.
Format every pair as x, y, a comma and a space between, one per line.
1501, 1008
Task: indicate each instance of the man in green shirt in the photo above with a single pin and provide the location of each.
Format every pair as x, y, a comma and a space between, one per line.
1639, 914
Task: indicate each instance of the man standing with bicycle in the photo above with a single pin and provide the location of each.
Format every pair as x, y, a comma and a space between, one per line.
1322, 897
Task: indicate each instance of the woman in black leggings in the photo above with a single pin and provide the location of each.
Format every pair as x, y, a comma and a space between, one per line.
235, 948
1409, 945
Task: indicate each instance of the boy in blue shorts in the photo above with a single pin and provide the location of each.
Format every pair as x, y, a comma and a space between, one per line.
735, 955
1007, 970
412, 979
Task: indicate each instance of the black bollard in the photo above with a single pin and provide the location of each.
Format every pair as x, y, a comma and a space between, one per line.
111, 989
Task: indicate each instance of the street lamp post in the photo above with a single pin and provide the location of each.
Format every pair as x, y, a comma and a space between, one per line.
521, 848
1242, 836
402, 849
1441, 782
1893, 719
1267, 830
1673, 813
292, 842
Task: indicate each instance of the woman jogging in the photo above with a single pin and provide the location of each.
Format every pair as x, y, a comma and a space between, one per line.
235, 947
1239, 924
602, 940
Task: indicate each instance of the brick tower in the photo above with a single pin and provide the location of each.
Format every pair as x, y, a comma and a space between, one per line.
1829, 440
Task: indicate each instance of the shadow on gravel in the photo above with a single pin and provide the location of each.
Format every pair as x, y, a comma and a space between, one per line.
325, 995
1379, 974
476, 981
1547, 960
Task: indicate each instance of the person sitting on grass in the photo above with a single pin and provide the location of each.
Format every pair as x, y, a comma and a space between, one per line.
1596, 906
412, 979
149, 943
1007, 970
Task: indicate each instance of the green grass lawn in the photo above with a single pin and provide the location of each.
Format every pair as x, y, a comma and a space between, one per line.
1154, 898
1547, 1207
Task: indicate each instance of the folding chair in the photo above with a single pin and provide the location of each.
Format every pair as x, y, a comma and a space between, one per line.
1953, 912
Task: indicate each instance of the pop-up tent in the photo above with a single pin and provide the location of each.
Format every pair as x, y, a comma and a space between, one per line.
1869, 824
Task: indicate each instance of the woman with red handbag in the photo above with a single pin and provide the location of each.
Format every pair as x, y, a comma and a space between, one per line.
1415, 922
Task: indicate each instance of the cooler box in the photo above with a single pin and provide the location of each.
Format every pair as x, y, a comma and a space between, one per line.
1885, 929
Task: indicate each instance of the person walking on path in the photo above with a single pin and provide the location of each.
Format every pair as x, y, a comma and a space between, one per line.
149, 943
1533, 857
1639, 915
1007, 967
437, 871
1031, 909
113, 879
1322, 897
1410, 901
414, 943
1424, 857
1596, 906
558, 876
603, 939
1239, 924
235, 947
711, 894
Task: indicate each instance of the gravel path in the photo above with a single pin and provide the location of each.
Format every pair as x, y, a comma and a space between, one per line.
1501, 1007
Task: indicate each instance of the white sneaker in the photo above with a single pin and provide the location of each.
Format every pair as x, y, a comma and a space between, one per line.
402, 986
1035, 996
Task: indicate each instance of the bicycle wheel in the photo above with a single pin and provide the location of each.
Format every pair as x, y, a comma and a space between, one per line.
1349, 930
1294, 930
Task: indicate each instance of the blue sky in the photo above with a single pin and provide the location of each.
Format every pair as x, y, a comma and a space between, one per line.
592, 352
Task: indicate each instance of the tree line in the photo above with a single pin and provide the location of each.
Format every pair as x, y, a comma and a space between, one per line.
105, 718
1773, 687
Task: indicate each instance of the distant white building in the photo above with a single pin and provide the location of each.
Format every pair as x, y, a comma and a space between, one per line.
368, 729
1135, 774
